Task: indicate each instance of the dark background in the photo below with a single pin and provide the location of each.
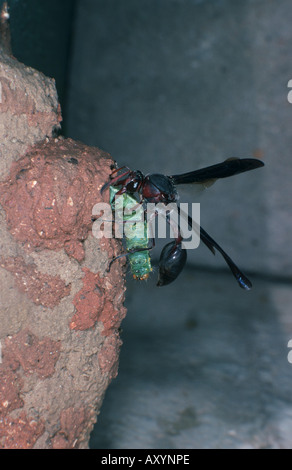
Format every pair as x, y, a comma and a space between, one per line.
41, 34
169, 86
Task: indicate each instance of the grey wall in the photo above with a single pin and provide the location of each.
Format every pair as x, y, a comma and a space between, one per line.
174, 85
170, 86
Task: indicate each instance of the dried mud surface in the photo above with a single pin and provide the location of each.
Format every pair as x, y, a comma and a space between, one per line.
60, 309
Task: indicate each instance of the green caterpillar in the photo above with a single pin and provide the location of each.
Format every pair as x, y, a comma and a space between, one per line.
135, 238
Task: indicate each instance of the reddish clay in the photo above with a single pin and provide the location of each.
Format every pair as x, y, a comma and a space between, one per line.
10, 387
43, 119
94, 303
110, 317
109, 354
72, 424
42, 289
50, 192
88, 302
20, 433
46, 197
31, 353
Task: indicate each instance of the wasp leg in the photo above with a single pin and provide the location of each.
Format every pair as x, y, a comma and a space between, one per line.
242, 280
134, 250
113, 181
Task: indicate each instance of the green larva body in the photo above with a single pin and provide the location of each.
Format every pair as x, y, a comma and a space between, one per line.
136, 236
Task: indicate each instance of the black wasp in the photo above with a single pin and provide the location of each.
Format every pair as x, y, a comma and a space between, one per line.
159, 188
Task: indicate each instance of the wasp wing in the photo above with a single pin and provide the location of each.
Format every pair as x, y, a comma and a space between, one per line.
207, 176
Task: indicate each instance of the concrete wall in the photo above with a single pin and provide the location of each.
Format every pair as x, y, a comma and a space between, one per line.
173, 85
170, 86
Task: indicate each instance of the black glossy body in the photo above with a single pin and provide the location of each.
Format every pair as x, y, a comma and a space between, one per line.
172, 261
159, 188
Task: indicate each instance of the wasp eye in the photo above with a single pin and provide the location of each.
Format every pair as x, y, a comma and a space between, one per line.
132, 186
